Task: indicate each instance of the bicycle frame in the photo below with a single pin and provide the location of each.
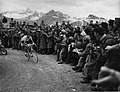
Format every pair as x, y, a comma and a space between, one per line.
30, 51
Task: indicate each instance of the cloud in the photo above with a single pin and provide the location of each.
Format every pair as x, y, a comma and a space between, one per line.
111, 3
62, 2
6, 5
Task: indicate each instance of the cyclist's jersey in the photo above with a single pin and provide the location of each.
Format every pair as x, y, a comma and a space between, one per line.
27, 40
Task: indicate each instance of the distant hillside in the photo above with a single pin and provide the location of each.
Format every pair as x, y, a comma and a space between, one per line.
77, 23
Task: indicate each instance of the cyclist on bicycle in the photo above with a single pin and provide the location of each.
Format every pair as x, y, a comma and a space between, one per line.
27, 42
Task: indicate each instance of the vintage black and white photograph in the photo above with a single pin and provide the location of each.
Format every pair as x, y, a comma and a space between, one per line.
59, 45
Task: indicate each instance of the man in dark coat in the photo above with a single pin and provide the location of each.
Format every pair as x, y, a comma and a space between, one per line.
43, 42
50, 42
105, 40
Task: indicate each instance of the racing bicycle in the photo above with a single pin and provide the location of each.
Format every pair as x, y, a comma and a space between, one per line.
31, 53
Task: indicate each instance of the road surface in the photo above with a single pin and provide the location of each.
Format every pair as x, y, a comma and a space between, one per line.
19, 75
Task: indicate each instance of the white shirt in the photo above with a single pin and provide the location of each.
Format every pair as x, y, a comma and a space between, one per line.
25, 38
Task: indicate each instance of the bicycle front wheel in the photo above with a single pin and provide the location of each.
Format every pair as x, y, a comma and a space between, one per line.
34, 56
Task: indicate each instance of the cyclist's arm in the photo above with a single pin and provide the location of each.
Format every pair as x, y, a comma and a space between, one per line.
22, 41
113, 46
32, 40
113, 78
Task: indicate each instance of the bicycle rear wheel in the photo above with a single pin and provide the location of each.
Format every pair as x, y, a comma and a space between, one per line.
3, 51
34, 56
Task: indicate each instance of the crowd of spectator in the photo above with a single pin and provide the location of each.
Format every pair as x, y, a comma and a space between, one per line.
86, 48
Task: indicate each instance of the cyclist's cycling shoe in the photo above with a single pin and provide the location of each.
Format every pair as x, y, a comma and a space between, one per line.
31, 55
26, 54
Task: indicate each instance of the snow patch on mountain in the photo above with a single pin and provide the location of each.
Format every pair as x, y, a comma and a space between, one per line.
21, 14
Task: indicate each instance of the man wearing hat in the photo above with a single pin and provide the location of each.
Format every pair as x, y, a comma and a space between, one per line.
117, 26
111, 27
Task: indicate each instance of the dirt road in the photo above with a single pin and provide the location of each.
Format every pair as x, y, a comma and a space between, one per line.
19, 75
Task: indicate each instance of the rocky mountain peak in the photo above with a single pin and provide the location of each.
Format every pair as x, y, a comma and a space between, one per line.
91, 16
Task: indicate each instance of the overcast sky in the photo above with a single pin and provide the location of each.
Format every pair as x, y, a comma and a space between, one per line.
77, 8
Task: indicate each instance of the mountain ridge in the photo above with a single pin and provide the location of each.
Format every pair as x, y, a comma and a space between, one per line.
50, 17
